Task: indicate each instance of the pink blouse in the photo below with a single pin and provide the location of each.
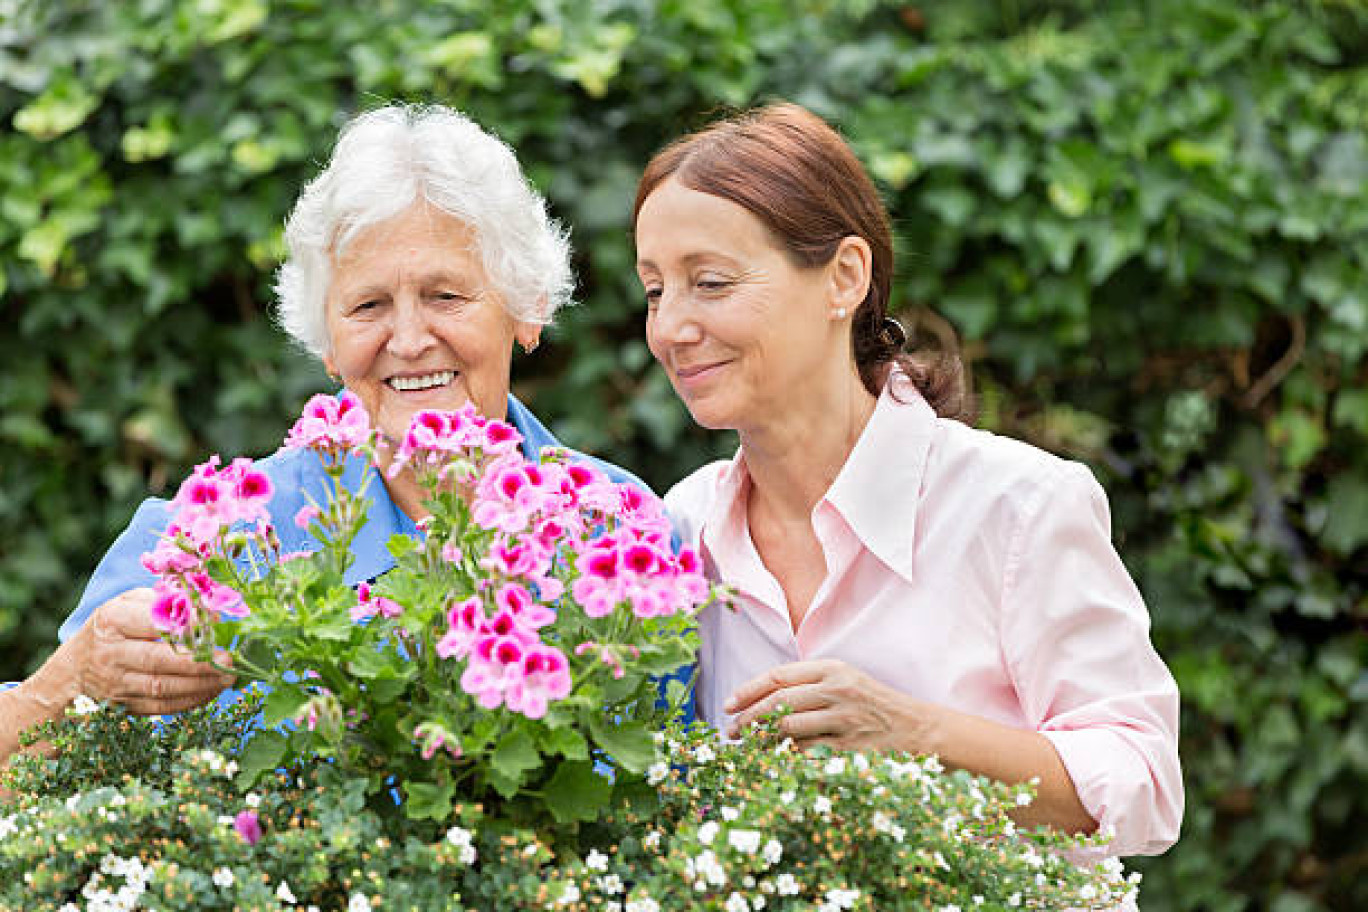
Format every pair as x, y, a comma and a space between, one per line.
969, 570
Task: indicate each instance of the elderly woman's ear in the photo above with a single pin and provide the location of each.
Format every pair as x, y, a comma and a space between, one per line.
528, 335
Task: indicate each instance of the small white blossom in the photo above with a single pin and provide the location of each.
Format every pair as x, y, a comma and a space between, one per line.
842, 899
458, 836
596, 861
772, 852
1088, 891
707, 832
822, 805
786, 884
83, 705
941, 862
252, 800
8, 827
897, 832
1023, 799
737, 903
223, 877
747, 842
1014, 900
787, 797
835, 766
978, 900
642, 904
284, 894
704, 754
610, 884
860, 762
569, 895
358, 903
651, 840
657, 774
881, 822
729, 813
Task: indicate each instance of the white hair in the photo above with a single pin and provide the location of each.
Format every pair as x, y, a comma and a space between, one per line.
386, 160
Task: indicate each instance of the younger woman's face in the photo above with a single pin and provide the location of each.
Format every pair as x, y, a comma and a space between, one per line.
742, 332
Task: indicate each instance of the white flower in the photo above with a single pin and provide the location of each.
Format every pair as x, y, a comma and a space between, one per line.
571, 894
644, 904
729, 813
1088, 891
746, 842
835, 766
657, 774
950, 908
757, 902
704, 754
822, 805
707, 832
978, 900
842, 899
8, 827
83, 705
610, 884
787, 797
458, 836
284, 894
596, 861
651, 840
773, 851
897, 832
705, 870
941, 862
252, 800
1014, 900
358, 903
860, 762
881, 822
230, 769
223, 877
1023, 799
737, 903
786, 884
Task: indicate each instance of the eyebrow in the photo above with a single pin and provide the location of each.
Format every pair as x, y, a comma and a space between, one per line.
691, 259
426, 280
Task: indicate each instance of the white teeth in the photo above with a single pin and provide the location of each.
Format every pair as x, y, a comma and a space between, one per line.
427, 381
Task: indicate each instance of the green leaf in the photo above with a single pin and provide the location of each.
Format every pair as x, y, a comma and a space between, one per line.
264, 752
428, 801
1346, 524
515, 756
629, 744
576, 792
567, 742
284, 702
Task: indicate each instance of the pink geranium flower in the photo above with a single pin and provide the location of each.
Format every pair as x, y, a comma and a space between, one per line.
248, 826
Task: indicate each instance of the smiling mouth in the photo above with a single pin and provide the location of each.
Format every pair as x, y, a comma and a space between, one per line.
696, 370
421, 381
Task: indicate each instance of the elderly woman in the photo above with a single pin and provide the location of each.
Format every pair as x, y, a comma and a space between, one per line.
905, 582
417, 260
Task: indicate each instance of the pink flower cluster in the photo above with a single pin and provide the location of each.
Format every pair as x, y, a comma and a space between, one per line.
330, 425
546, 517
507, 663
210, 502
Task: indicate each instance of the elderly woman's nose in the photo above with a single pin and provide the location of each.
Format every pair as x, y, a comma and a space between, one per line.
410, 332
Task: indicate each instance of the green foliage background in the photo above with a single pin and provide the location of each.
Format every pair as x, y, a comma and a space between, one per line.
1146, 223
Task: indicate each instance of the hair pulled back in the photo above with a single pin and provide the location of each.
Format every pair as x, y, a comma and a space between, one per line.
790, 169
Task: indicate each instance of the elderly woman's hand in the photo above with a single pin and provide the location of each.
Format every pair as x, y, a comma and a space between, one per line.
836, 704
119, 656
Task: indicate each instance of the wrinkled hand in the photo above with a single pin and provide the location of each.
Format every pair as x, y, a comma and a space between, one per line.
121, 658
836, 704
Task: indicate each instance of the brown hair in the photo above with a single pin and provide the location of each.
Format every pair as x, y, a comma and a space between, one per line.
789, 168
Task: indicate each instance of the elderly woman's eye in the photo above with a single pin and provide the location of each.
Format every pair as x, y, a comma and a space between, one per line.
653, 298
713, 285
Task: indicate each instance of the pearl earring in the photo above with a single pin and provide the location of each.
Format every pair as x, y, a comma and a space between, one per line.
840, 313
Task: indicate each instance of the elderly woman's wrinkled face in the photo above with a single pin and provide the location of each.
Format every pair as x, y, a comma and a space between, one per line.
414, 323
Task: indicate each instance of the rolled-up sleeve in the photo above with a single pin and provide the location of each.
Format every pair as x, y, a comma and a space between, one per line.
1076, 638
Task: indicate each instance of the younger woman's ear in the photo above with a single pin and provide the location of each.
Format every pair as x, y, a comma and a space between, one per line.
850, 272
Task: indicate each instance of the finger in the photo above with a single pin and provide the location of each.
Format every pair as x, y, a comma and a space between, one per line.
776, 678
799, 698
129, 615
819, 726
156, 658
161, 706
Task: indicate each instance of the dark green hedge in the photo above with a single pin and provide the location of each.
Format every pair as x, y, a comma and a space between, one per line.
1146, 222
